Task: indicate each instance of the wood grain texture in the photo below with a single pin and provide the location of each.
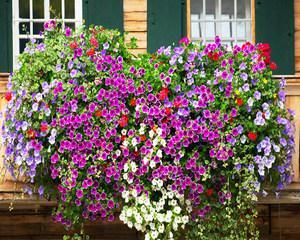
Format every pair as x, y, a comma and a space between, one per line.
297, 35
135, 23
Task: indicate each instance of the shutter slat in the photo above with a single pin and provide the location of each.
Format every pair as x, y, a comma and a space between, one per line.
107, 13
274, 24
6, 36
166, 22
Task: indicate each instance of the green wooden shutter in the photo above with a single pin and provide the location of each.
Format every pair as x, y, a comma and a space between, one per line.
108, 13
166, 22
274, 24
6, 36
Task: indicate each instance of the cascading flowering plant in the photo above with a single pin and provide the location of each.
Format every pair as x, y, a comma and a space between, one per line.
185, 138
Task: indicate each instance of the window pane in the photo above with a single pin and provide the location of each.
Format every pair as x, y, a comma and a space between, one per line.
197, 7
210, 30
38, 8
241, 33
196, 27
24, 28
228, 9
69, 9
70, 25
244, 9
210, 9
227, 29
23, 44
24, 8
55, 8
38, 27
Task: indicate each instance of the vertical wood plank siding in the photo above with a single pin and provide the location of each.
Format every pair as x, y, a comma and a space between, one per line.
135, 23
297, 35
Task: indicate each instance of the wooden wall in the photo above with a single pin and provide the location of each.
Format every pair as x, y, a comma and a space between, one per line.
293, 102
297, 36
135, 23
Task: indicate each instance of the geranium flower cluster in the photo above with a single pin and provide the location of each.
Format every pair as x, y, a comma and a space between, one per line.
185, 138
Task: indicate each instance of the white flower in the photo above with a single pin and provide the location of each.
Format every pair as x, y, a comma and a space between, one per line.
129, 224
138, 226
152, 164
147, 236
129, 213
159, 153
125, 176
145, 160
38, 97
152, 225
168, 218
151, 133
160, 183
177, 210
163, 142
53, 131
118, 152
126, 167
159, 131
134, 142
134, 193
250, 102
125, 143
133, 167
154, 234
175, 226
155, 141
161, 228
35, 107
185, 219
124, 131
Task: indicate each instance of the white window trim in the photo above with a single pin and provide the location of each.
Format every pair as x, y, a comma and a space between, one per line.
16, 20
202, 20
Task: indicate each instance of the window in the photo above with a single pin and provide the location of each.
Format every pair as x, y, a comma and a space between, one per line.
229, 19
30, 15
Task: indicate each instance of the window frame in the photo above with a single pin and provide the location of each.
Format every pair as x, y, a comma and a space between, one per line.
16, 20
188, 20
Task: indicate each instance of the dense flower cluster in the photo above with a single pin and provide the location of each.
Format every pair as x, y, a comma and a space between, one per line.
184, 138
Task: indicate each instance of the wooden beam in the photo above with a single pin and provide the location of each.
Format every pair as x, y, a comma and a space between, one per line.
253, 20
188, 18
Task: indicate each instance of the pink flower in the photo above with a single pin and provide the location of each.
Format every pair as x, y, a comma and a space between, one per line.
184, 40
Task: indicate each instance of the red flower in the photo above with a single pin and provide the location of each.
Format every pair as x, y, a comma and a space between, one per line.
252, 136
215, 56
98, 113
73, 45
163, 94
264, 47
132, 102
44, 127
143, 138
123, 121
239, 102
123, 137
265, 50
177, 104
90, 52
168, 111
273, 66
8, 96
31, 133
94, 42
209, 192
